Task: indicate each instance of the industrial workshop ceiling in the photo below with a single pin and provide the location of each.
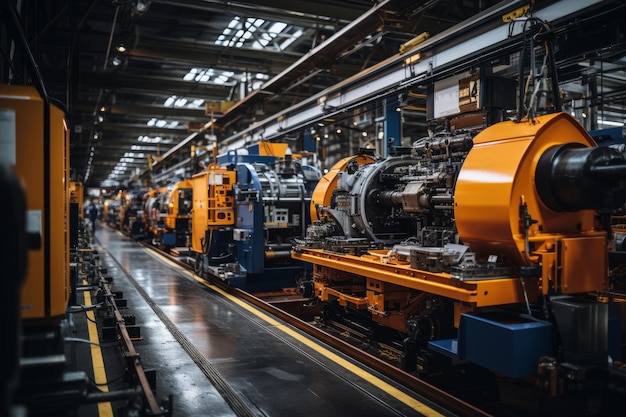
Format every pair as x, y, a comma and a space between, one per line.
138, 77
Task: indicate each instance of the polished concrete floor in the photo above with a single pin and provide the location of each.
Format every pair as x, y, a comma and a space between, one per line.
206, 347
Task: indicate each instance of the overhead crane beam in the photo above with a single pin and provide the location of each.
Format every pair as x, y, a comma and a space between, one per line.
483, 35
317, 58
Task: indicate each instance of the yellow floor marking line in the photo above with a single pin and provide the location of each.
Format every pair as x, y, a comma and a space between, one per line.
377, 382
99, 372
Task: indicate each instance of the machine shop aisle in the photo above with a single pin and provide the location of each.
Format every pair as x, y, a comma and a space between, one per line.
272, 369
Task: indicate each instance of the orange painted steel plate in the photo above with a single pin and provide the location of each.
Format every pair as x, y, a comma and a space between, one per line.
498, 172
483, 293
327, 184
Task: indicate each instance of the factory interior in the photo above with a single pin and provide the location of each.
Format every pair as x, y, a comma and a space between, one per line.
267, 208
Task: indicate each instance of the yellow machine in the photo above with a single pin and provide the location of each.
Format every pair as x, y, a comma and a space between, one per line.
213, 204
42, 160
131, 211
179, 205
153, 210
167, 214
123, 197
470, 244
111, 208
77, 195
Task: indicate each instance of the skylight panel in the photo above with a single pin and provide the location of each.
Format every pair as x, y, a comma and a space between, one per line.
238, 33
148, 139
198, 74
202, 75
261, 43
277, 27
234, 23
191, 74
291, 39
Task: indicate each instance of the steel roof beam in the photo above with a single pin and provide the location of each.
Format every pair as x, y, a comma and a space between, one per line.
453, 49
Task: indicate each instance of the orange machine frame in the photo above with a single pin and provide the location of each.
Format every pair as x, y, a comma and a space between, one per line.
497, 176
43, 164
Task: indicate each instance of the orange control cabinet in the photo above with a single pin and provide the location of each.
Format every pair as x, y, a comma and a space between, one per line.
39, 152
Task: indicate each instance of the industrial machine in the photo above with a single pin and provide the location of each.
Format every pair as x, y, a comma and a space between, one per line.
486, 247
35, 147
247, 209
131, 211
39, 153
154, 210
77, 195
167, 214
111, 208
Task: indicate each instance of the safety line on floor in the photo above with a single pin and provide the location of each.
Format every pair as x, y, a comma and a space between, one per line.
97, 360
401, 396
408, 400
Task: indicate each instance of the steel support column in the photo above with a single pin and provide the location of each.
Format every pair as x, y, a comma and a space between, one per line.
392, 126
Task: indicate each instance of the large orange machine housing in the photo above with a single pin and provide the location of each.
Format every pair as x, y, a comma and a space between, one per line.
42, 161
498, 175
